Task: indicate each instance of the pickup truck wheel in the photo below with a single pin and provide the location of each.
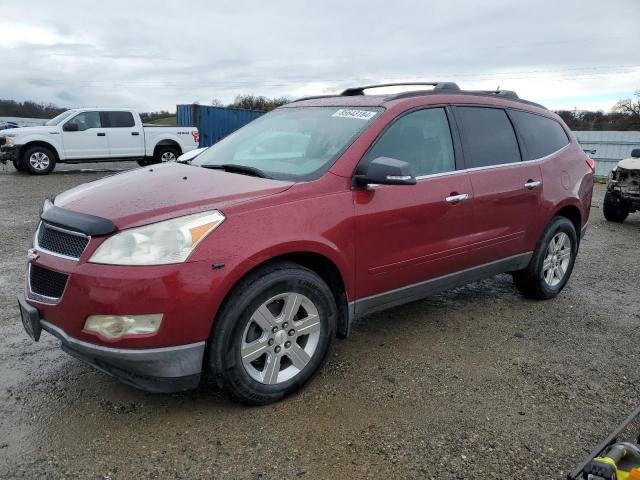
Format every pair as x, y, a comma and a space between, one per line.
17, 164
273, 333
165, 154
614, 209
552, 261
39, 160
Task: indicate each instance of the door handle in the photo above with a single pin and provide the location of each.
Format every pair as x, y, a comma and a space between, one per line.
453, 199
135, 133
531, 184
101, 134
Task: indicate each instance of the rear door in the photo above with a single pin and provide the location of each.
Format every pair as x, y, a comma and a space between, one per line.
83, 136
407, 234
506, 190
126, 139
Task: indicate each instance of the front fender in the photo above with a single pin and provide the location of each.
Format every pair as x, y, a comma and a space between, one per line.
55, 144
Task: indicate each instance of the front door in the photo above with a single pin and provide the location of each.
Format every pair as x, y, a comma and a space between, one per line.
84, 137
408, 234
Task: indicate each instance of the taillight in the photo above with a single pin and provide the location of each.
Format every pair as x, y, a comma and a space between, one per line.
592, 164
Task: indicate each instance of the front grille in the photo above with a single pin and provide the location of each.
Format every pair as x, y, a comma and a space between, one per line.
61, 242
46, 283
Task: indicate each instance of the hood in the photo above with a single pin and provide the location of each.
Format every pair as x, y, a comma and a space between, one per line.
26, 130
151, 194
630, 163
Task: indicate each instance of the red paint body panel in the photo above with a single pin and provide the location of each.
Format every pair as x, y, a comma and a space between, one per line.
407, 234
379, 239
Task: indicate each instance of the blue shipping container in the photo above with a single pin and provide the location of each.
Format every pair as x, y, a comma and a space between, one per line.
214, 123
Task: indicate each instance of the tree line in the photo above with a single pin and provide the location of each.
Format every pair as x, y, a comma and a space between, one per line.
625, 114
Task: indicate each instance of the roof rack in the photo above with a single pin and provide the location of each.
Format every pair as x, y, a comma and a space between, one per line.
499, 93
438, 87
353, 91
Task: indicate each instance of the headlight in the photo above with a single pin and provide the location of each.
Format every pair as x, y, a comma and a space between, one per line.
171, 241
8, 139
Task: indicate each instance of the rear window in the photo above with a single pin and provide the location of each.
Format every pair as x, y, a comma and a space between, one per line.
119, 119
488, 136
541, 135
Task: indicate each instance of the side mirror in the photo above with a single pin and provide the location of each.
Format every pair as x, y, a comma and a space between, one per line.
386, 171
635, 153
70, 127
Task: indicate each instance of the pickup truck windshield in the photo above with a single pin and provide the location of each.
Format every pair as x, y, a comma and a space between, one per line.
59, 118
298, 143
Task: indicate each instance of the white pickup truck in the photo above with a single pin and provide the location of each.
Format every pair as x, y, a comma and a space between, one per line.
94, 135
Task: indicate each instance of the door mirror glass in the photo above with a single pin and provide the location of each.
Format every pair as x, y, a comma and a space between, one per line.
386, 171
70, 126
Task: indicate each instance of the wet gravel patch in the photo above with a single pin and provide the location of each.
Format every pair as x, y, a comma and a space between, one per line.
474, 383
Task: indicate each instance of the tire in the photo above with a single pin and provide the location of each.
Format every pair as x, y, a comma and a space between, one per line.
279, 359
17, 164
614, 208
551, 265
39, 160
165, 153
145, 162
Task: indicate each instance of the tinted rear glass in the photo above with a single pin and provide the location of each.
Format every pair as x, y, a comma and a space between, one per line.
120, 119
488, 136
541, 135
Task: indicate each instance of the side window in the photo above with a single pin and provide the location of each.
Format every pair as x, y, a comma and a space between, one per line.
84, 121
488, 136
541, 135
421, 138
119, 119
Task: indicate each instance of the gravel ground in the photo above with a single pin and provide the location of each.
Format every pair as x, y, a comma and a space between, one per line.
474, 383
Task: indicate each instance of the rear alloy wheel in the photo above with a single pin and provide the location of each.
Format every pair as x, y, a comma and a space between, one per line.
552, 262
273, 333
39, 160
614, 208
165, 154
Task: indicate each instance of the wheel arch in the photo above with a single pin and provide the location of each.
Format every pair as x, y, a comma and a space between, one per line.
318, 263
39, 143
167, 142
573, 213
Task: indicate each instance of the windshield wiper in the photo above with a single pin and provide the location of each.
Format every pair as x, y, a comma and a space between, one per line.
242, 169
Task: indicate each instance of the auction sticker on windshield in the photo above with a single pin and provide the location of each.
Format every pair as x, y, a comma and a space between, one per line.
348, 113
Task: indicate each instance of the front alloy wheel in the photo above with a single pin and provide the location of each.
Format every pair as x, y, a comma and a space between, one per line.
272, 333
281, 338
39, 160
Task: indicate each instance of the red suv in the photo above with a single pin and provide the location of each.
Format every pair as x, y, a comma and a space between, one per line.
248, 261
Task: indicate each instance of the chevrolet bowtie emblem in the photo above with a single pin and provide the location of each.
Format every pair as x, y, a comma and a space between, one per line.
31, 254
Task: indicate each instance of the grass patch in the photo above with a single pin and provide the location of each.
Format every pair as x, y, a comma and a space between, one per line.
164, 121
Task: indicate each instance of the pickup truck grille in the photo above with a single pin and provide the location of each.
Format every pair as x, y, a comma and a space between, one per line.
61, 242
46, 283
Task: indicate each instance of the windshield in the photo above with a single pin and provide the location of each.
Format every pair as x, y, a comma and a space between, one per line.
59, 118
297, 143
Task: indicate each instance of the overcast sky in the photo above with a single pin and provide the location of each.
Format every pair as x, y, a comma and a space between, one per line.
152, 55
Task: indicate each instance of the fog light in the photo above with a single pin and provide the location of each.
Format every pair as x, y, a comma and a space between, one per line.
116, 326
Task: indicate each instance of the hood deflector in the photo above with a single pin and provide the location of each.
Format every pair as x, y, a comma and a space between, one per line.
78, 222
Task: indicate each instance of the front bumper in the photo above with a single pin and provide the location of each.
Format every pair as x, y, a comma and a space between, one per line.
157, 370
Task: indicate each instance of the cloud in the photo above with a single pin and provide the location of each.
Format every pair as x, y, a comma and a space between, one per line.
153, 55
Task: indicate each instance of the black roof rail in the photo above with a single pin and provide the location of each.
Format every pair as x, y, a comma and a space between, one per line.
313, 97
350, 92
